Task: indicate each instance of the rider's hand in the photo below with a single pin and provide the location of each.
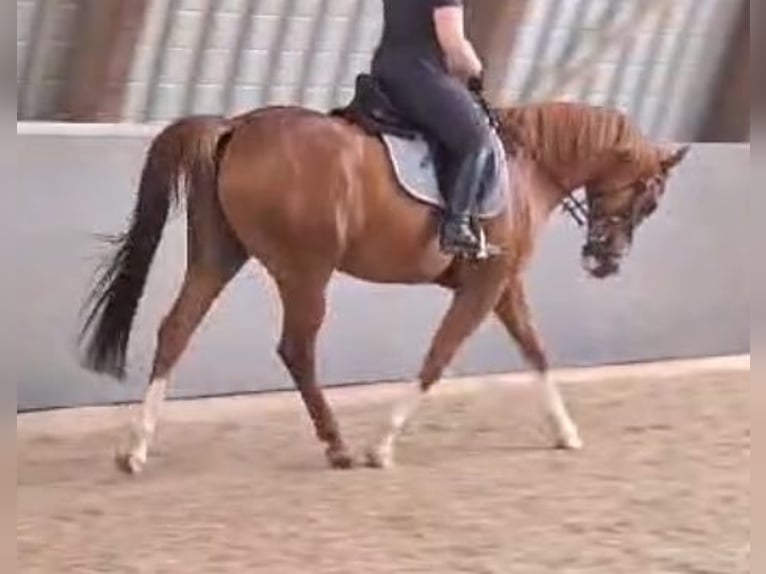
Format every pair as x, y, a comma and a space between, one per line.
476, 84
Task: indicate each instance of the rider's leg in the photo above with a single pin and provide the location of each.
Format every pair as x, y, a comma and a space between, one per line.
442, 107
457, 233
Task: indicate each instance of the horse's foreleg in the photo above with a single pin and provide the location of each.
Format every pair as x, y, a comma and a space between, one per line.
199, 290
304, 305
513, 312
471, 304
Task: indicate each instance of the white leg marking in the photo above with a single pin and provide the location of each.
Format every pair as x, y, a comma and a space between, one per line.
134, 457
382, 455
567, 434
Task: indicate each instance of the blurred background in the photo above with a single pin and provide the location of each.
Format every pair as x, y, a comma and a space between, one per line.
680, 68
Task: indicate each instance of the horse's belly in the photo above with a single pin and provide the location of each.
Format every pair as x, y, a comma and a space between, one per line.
403, 274
394, 257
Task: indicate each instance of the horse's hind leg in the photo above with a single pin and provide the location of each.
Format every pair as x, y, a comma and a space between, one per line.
214, 258
199, 290
471, 304
304, 303
513, 312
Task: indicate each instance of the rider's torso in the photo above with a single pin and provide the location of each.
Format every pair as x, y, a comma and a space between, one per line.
409, 30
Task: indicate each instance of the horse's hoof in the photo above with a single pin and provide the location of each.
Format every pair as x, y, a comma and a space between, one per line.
379, 458
566, 433
340, 459
571, 441
129, 463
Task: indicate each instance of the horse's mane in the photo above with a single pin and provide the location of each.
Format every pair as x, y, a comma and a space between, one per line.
560, 135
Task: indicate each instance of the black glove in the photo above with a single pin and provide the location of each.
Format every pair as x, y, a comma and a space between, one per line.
476, 84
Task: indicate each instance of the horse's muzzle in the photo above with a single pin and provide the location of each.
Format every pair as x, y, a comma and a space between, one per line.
598, 261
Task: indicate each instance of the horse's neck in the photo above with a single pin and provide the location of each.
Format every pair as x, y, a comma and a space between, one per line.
552, 134
544, 192
575, 174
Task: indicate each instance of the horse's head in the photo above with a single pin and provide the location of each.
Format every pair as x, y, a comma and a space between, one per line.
618, 203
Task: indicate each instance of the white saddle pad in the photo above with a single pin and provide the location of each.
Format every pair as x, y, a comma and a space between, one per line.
416, 172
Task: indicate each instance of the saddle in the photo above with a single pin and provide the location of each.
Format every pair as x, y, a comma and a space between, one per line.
373, 111
418, 159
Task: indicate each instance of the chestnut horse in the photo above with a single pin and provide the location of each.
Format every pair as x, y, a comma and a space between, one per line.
308, 194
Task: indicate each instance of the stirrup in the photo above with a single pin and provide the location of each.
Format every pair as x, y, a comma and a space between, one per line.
486, 249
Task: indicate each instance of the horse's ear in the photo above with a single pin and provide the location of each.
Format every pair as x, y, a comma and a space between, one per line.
673, 158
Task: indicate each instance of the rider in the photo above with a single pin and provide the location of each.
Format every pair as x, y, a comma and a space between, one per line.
426, 65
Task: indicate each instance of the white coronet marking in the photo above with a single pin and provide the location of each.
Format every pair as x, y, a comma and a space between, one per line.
133, 457
567, 435
382, 455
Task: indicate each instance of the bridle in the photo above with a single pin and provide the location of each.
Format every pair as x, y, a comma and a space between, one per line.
628, 220
580, 213
576, 209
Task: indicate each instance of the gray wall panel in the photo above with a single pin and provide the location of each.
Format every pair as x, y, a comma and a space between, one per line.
682, 293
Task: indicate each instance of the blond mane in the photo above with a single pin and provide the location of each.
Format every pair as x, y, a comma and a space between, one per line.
565, 136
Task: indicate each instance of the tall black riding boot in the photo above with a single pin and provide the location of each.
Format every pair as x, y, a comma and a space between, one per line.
458, 234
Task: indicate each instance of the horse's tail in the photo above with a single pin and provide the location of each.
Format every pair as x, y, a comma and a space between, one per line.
184, 152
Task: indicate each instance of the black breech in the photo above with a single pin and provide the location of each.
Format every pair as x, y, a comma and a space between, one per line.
435, 102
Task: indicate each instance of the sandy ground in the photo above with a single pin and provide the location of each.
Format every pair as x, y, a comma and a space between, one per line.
240, 485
